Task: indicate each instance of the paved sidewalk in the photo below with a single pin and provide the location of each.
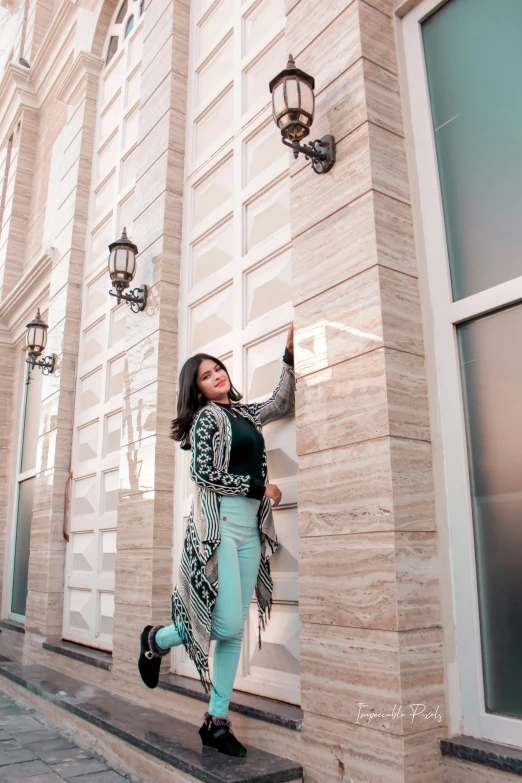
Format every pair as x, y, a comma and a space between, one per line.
32, 751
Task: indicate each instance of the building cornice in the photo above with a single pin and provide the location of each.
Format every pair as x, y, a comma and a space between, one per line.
19, 304
84, 64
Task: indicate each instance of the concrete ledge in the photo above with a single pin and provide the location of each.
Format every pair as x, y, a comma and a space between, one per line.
12, 625
490, 754
269, 710
98, 658
169, 740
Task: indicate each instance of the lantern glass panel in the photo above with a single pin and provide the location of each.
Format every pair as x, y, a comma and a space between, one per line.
278, 99
124, 261
36, 338
120, 260
292, 94
307, 98
41, 336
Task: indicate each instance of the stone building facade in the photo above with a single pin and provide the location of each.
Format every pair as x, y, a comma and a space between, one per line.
156, 116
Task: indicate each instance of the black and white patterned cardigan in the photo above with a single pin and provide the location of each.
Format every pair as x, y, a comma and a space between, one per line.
194, 596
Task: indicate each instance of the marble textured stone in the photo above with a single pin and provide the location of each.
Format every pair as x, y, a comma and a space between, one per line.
342, 322
394, 234
343, 404
355, 676
303, 26
144, 577
375, 485
145, 520
407, 395
346, 490
370, 580
336, 750
348, 581
458, 771
400, 309
341, 246
312, 200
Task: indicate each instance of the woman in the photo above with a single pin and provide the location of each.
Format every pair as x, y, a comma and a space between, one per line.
230, 535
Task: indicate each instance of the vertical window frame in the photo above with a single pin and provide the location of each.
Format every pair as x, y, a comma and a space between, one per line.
441, 317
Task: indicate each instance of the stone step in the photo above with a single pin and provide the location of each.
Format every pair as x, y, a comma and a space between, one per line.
173, 741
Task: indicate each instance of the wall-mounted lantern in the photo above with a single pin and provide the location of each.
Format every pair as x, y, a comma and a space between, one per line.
293, 107
122, 268
36, 340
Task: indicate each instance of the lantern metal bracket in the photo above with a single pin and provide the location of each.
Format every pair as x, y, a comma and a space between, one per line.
321, 152
46, 365
136, 299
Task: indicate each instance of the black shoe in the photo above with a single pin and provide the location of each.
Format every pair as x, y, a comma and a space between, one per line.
217, 733
150, 656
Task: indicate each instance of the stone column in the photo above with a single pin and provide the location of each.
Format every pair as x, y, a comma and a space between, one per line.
39, 17
47, 559
145, 511
18, 180
368, 572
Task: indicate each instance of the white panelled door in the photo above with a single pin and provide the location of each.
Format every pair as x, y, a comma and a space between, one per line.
91, 551
236, 279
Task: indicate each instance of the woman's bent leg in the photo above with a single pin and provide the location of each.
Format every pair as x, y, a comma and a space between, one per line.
168, 636
238, 566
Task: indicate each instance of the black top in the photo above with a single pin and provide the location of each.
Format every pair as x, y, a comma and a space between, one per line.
246, 453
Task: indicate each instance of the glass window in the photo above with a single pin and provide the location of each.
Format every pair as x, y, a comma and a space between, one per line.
23, 537
113, 48
31, 411
122, 12
491, 366
474, 61
130, 25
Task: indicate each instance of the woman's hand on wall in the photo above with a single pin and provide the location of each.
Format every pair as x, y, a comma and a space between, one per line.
290, 338
274, 493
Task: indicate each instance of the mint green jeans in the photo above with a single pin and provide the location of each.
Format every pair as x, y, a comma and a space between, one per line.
239, 555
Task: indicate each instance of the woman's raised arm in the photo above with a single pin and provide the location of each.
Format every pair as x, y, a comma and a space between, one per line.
282, 401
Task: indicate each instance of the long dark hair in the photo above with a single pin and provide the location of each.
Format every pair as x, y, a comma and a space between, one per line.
191, 400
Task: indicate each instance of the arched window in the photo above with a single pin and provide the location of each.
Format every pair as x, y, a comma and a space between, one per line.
130, 25
122, 12
91, 553
113, 48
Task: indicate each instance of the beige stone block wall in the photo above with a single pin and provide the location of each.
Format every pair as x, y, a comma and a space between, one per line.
145, 512
369, 593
